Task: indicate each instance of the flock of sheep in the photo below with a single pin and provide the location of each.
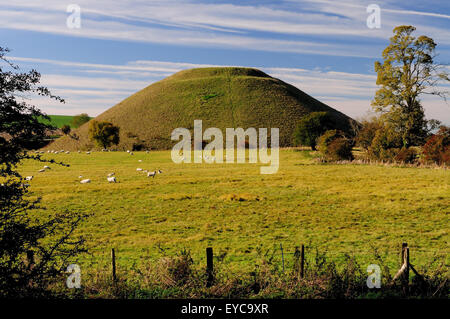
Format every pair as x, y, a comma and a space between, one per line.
111, 178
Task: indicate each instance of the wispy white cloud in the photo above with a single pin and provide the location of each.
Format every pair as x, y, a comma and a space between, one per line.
222, 25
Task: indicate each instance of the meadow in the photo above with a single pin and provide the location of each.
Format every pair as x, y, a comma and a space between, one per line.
336, 208
58, 120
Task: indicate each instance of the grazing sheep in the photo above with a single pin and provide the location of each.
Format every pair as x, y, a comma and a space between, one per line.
80, 177
88, 153
139, 169
42, 170
28, 178
67, 152
111, 179
159, 171
111, 174
46, 167
151, 174
140, 161
79, 152
85, 181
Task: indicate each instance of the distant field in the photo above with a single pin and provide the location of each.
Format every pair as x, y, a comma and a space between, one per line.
341, 209
59, 120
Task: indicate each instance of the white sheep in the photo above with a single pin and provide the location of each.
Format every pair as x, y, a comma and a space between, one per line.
47, 167
111, 174
67, 152
139, 169
111, 179
80, 177
88, 153
85, 181
42, 170
28, 178
151, 174
159, 171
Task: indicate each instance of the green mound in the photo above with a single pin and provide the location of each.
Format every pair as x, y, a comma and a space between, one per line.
221, 97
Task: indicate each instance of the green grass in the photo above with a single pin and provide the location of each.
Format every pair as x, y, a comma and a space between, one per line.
341, 209
58, 120
221, 97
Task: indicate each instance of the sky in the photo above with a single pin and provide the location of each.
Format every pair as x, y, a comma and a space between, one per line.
323, 47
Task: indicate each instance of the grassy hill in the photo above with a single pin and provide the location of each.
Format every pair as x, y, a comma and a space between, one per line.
59, 120
221, 97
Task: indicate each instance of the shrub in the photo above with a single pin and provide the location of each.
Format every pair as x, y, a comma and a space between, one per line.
385, 145
65, 129
437, 148
366, 135
104, 133
311, 127
326, 138
334, 146
339, 149
406, 155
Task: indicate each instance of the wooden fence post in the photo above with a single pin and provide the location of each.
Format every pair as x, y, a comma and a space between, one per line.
282, 256
302, 262
113, 260
406, 278
209, 267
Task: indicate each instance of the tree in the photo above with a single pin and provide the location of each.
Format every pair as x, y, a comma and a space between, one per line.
79, 120
407, 72
22, 232
104, 133
311, 127
65, 129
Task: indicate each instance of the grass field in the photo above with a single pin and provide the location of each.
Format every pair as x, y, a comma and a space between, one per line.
59, 120
336, 208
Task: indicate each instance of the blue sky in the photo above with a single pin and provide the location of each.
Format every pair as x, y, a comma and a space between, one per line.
323, 47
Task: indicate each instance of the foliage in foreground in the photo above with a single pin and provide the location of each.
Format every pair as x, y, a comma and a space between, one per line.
178, 277
33, 249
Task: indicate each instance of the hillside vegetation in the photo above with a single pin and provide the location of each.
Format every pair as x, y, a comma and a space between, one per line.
221, 97
58, 120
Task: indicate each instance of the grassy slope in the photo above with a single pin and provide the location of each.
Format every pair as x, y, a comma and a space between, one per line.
221, 97
338, 208
59, 120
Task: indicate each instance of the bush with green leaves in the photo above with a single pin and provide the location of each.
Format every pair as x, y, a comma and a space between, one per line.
385, 145
311, 127
104, 133
367, 133
334, 146
34, 248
